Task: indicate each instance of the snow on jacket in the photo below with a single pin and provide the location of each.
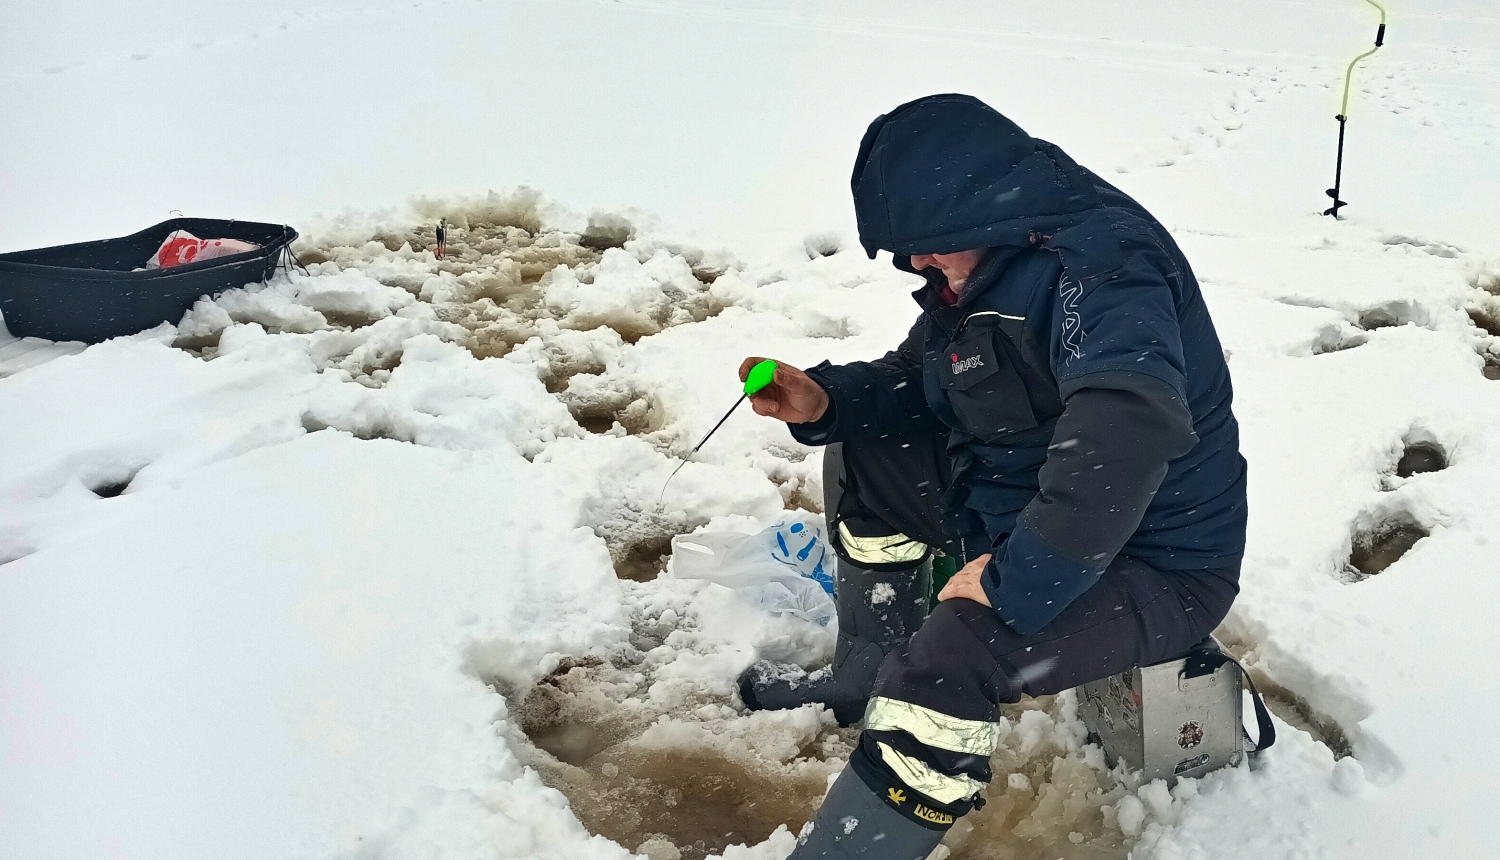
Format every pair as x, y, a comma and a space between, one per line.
1079, 374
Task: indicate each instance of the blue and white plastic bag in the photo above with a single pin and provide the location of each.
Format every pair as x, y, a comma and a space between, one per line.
787, 569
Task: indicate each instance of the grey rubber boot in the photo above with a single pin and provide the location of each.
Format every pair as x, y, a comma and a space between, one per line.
854, 822
878, 611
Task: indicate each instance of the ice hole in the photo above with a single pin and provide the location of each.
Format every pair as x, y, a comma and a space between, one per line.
1491, 366
110, 482
315, 256
570, 742
349, 320
1421, 457
804, 495
706, 275
1386, 316
640, 541
203, 346
1436, 249
364, 432
633, 328
597, 424
1486, 276
820, 245
563, 366
1333, 339
1487, 318
1046, 801
110, 490
1377, 548
555, 722
699, 801
1292, 708
378, 430
671, 801
599, 418
1295, 711
606, 231
1484, 304
643, 559
535, 261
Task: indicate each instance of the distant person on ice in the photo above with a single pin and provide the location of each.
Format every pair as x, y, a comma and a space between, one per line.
1058, 420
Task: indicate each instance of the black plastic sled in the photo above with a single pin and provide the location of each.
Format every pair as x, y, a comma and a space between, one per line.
91, 291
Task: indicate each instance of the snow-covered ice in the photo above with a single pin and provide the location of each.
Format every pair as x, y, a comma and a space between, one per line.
363, 562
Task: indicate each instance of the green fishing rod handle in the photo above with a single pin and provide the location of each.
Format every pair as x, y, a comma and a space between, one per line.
759, 377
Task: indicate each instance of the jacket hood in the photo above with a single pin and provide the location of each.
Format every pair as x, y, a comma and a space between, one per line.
948, 173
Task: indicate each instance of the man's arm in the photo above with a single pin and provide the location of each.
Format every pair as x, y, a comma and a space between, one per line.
1125, 417
864, 398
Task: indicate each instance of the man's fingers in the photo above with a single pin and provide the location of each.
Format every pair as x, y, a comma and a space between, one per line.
764, 404
953, 586
966, 586
795, 381
791, 396
951, 591
976, 566
966, 583
749, 363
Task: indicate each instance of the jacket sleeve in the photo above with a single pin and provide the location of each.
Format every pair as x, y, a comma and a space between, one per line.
872, 398
1119, 364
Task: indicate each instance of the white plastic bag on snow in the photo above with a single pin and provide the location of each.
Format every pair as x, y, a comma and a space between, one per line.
786, 569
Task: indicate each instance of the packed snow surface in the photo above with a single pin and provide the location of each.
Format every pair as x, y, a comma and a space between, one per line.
372, 560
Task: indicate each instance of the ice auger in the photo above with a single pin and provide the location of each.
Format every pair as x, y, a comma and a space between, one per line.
1343, 115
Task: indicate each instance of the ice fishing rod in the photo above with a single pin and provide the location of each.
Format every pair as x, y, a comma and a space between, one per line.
1343, 115
759, 377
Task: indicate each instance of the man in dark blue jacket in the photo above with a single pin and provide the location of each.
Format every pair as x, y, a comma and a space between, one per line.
1059, 418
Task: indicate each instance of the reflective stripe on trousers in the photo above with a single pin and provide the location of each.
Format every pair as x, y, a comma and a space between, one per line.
934, 729
881, 549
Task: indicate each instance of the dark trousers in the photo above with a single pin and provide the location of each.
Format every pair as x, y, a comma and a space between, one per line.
887, 485
964, 661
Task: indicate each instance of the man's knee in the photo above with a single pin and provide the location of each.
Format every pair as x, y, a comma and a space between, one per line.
950, 665
882, 499
859, 535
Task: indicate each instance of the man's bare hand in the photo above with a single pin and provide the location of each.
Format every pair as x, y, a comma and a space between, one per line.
792, 396
965, 583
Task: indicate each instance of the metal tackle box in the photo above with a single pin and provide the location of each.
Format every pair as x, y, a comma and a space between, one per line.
1174, 719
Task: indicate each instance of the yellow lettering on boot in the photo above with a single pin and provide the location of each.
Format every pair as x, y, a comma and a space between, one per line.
933, 815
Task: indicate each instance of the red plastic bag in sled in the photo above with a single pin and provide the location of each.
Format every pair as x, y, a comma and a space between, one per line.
182, 247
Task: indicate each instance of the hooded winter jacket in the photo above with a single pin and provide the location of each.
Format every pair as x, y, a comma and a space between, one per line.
1079, 376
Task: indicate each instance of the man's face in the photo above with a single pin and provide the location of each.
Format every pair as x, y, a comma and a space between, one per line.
956, 266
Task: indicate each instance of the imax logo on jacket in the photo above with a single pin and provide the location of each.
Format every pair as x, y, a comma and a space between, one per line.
962, 364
